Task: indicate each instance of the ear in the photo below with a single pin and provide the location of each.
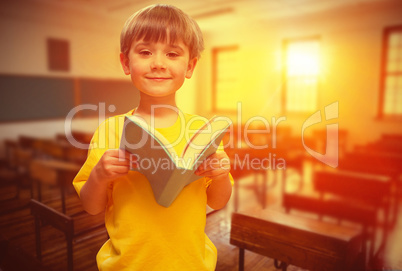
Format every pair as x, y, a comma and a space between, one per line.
125, 63
191, 66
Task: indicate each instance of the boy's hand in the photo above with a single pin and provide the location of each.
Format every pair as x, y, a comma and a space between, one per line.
114, 163
216, 166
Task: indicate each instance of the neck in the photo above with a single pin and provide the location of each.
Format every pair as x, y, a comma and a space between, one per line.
162, 109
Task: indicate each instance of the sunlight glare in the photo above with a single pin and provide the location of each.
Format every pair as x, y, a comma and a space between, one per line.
303, 59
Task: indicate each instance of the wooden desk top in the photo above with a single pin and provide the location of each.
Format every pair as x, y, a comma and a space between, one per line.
340, 173
58, 165
299, 241
46, 171
305, 224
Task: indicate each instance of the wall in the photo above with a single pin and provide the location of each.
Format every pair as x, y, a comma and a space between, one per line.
94, 52
351, 44
24, 30
351, 50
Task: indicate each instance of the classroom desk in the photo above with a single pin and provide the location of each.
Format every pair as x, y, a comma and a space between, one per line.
378, 163
359, 188
240, 167
293, 240
53, 172
246, 161
369, 189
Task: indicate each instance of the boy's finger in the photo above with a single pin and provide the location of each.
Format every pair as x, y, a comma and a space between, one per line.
121, 169
212, 169
134, 164
214, 163
124, 155
213, 173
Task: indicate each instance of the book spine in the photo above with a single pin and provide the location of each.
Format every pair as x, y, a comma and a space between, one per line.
177, 181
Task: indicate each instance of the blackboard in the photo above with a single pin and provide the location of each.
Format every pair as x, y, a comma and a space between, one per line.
29, 98
25, 98
115, 96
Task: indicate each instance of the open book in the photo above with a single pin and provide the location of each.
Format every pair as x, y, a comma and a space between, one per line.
167, 171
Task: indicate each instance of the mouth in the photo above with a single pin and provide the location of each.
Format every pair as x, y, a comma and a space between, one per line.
158, 79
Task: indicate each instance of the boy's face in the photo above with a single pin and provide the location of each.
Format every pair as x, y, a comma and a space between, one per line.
158, 69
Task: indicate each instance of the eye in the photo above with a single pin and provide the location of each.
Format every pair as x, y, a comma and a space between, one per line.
145, 53
172, 54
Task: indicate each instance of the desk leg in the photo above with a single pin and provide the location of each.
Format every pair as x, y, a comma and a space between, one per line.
241, 259
38, 239
60, 180
236, 194
70, 262
264, 192
39, 188
63, 200
387, 222
283, 266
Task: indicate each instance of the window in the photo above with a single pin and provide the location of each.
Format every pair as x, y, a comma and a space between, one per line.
225, 78
300, 75
391, 73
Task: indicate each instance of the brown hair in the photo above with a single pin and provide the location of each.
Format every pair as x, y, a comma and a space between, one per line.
162, 23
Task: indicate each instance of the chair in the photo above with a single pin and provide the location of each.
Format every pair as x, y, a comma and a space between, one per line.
8, 168
46, 215
293, 240
347, 196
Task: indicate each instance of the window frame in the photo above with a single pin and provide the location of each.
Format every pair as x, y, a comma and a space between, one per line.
215, 51
383, 74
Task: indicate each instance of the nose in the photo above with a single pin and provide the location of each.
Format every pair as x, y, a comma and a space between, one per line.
158, 62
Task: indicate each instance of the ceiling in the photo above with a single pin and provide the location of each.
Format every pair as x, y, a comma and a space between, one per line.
204, 11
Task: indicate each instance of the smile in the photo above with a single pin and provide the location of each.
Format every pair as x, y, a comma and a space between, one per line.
158, 79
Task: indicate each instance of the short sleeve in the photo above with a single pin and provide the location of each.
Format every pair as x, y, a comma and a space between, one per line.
107, 136
91, 161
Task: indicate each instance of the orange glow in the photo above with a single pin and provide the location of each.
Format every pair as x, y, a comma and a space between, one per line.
303, 59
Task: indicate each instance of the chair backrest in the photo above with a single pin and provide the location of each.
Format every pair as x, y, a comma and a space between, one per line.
26, 142
51, 216
62, 222
10, 147
41, 173
372, 162
75, 155
354, 186
336, 208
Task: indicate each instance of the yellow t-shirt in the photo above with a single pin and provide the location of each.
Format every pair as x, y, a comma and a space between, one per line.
143, 234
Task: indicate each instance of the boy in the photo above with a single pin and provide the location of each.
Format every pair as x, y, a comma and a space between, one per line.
160, 46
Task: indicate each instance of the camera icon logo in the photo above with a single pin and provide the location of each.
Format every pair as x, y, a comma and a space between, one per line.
330, 157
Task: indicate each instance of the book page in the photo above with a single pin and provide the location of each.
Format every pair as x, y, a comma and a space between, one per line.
160, 142
203, 139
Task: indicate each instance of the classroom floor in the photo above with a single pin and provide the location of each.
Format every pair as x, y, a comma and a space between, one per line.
17, 241
218, 227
